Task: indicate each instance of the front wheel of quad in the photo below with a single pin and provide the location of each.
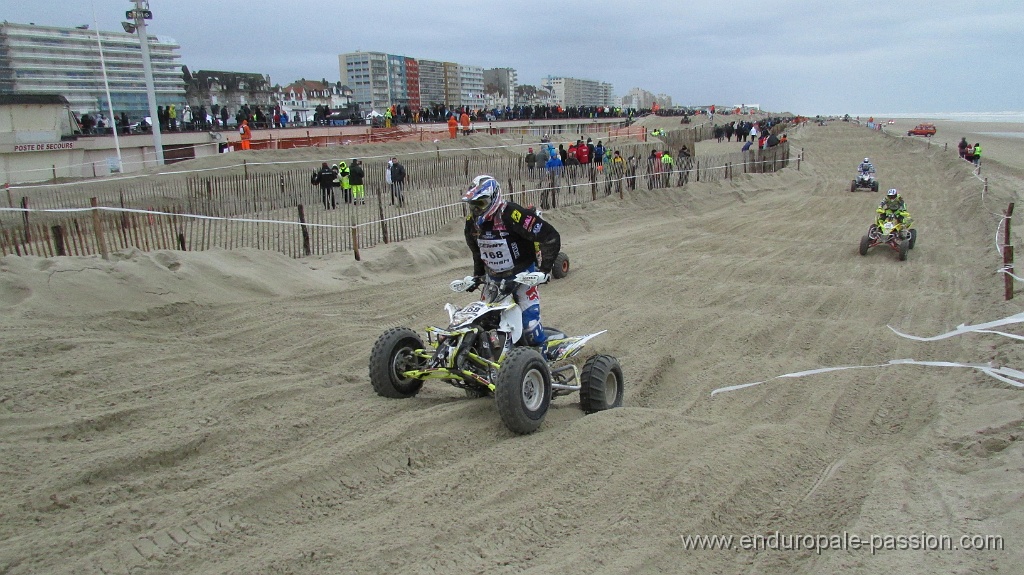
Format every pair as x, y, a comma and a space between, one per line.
523, 390
913, 237
392, 355
601, 384
874, 186
904, 248
853, 186
865, 243
561, 267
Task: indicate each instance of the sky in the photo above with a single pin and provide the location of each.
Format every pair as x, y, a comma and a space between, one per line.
799, 56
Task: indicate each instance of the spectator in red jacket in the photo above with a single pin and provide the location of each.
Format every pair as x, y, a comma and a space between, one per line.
582, 152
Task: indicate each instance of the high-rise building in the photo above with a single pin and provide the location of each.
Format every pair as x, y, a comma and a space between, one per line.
471, 87
577, 92
398, 81
367, 74
432, 83
638, 99
452, 85
505, 80
379, 80
66, 61
412, 83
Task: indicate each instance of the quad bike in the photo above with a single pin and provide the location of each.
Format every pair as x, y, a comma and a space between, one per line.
891, 232
480, 351
864, 180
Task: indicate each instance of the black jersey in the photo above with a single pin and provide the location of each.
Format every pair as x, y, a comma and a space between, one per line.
508, 243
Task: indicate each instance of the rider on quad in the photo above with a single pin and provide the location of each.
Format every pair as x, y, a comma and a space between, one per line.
866, 167
892, 206
504, 238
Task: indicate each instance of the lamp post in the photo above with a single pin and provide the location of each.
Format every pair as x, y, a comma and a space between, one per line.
139, 15
106, 88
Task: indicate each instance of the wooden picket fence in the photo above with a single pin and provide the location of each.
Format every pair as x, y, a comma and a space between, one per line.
271, 208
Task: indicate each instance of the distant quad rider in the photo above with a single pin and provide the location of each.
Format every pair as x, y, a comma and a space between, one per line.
866, 167
505, 238
892, 206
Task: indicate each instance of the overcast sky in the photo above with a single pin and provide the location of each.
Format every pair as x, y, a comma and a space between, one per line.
801, 56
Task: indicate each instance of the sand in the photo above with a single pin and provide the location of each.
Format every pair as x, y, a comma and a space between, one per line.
1000, 141
211, 412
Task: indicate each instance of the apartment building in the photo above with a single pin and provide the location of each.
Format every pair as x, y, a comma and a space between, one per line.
505, 80
379, 80
471, 87
432, 83
576, 92
367, 74
66, 61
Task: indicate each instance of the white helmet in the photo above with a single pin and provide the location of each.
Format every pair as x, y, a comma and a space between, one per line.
484, 198
867, 160
480, 179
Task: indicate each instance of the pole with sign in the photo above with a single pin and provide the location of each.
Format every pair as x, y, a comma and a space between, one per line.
140, 15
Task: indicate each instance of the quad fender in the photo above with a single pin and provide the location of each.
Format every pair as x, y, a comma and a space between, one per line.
512, 322
569, 346
459, 316
451, 309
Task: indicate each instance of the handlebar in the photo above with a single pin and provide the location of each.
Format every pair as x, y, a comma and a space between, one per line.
470, 283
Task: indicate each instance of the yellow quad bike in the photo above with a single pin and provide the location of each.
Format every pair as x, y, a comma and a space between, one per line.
481, 352
892, 232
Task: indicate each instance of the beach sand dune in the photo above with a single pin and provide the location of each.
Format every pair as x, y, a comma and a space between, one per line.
211, 412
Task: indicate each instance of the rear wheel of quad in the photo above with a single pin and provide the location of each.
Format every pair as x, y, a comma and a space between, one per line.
391, 356
523, 391
601, 384
853, 185
865, 243
561, 268
874, 186
904, 248
913, 237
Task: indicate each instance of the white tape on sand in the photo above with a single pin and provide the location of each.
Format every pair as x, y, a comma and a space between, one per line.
962, 329
1008, 375
1004, 374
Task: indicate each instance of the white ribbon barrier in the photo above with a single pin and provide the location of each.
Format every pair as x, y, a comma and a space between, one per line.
226, 219
180, 215
963, 328
1005, 374
1006, 270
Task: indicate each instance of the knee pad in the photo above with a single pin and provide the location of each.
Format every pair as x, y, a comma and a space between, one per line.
534, 334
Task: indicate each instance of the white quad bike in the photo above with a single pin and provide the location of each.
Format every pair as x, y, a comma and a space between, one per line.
481, 352
864, 180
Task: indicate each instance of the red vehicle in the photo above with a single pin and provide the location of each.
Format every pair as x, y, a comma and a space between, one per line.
926, 130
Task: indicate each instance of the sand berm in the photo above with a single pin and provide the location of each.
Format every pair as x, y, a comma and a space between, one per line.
211, 412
